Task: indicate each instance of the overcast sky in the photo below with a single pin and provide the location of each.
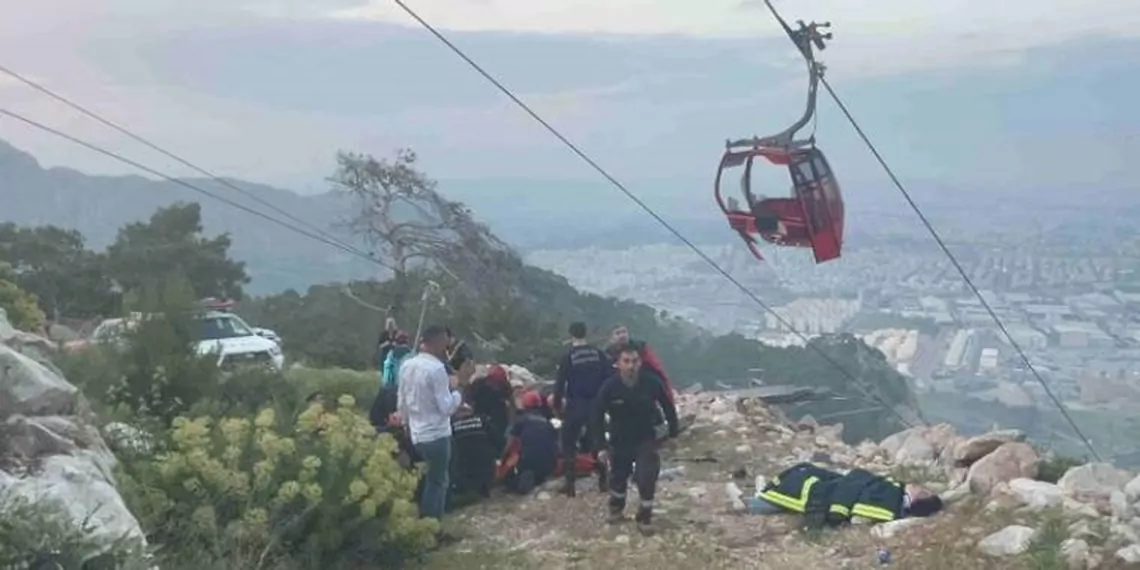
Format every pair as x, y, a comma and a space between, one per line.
1028, 92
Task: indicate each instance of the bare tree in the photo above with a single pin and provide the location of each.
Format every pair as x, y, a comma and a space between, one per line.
408, 225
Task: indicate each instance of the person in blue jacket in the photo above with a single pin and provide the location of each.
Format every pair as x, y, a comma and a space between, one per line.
390, 368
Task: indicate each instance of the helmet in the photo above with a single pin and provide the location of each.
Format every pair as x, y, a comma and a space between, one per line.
531, 400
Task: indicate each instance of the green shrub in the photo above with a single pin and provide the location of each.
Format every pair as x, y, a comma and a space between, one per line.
1053, 467
334, 383
41, 535
22, 308
1044, 551
323, 490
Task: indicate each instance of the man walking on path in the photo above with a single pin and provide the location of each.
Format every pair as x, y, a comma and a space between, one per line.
581, 374
427, 400
619, 338
631, 399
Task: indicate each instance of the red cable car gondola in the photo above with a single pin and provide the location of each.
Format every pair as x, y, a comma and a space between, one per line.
813, 215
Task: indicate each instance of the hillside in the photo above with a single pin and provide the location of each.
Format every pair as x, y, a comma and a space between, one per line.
1006, 507
520, 318
326, 327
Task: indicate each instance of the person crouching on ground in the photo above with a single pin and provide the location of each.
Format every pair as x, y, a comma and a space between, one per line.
491, 397
427, 400
826, 497
632, 398
538, 447
581, 374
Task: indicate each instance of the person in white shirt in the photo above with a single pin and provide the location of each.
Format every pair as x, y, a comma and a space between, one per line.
427, 400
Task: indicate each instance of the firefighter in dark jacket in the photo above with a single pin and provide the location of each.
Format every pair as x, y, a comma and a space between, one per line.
634, 399
581, 374
828, 498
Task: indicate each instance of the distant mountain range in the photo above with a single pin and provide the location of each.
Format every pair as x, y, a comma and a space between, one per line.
527, 214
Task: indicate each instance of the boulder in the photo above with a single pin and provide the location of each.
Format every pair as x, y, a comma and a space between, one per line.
1009, 541
915, 448
966, 452
1013, 460
1132, 489
941, 437
1093, 481
1129, 554
893, 442
1036, 495
49, 451
1076, 553
1118, 501
891, 528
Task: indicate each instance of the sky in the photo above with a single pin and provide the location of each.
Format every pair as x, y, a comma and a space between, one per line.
957, 93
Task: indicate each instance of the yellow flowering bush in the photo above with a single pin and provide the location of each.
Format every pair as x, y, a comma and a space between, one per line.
320, 488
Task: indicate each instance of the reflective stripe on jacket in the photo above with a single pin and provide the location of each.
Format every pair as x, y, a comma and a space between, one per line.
807, 489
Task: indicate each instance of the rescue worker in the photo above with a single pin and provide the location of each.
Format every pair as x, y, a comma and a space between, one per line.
581, 374
490, 396
537, 442
631, 399
828, 498
619, 337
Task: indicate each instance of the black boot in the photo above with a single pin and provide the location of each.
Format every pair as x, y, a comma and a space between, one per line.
568, 487
644, 520
617, 513
603, 479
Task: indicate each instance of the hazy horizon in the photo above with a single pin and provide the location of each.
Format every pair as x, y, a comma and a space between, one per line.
268, 91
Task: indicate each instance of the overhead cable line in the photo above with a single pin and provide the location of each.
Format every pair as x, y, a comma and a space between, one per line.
96, 148
942, 244
633, 197
138, 138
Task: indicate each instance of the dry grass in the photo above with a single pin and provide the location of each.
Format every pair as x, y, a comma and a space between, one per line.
697, 531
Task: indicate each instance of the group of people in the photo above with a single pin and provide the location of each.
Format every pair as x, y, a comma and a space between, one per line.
607, 414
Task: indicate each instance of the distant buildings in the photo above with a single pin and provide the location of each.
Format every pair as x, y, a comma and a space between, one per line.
1027, 337
988, 360
963, 350
1080, 335
814, 315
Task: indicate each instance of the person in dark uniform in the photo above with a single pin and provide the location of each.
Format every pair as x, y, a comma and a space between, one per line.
491, 397
581, 374
538, 447
634, 399
828, 498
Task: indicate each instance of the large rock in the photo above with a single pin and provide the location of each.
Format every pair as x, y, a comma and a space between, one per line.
966, 452
1093, 481
915, 449
1009, 541
1076, 553
918, 444
49, 452
1129, 554
1132, 489
1014, 460
1036, 495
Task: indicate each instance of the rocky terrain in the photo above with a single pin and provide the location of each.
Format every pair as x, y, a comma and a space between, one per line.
50, 451
998, 514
